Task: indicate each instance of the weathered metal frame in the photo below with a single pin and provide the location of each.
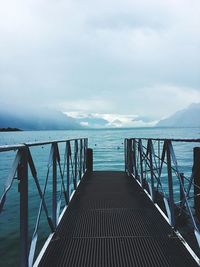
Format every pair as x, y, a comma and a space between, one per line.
74, 165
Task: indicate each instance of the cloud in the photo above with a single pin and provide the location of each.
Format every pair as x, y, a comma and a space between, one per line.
100, 120
163, 99
89, 104
84, 123
150, 103
114, 57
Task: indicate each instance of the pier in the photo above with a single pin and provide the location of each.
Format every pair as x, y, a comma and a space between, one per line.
108, 218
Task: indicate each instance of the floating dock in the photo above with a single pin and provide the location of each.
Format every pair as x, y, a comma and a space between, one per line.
110, 221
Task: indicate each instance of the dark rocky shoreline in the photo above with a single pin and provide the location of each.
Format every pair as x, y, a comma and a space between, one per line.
10, 129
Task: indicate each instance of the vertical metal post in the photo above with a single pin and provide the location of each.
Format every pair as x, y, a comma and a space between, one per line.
196, 173
130, 157
125, 155
54, 184
76, 163
181, 189
85, 154
170, 185
134, 157
80, 159
68, 169
141, 162
159, 158
89, 160
22, 173
150, 148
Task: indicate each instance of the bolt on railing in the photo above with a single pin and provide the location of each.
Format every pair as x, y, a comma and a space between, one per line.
65, 173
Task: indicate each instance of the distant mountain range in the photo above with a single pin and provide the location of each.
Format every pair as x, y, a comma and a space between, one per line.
189, 117
45, 119
40, 120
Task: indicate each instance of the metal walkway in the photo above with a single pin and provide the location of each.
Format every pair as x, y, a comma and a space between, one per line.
110, 221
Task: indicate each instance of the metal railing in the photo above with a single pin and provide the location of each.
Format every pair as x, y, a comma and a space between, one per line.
153, 163
63, 171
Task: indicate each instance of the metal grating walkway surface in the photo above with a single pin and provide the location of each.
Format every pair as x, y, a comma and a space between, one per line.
110, 221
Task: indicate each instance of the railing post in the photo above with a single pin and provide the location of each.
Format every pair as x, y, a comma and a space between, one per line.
150, 147
22, 173
85, 144
89, 160
196, 173
75, 163
141, 162
181, 189
125, 155
130, 156
54, 191
134, 168
170, 185
68, 169
80, 159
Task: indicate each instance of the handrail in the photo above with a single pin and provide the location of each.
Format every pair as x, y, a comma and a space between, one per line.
190, 140
11, 147
64, 175
31, 144
153, 163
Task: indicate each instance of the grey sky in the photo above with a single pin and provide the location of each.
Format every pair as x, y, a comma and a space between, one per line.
116, 57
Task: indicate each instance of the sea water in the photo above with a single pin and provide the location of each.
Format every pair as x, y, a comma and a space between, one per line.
108, 147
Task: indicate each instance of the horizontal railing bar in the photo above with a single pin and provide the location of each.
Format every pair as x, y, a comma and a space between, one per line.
53, 141
166, 139
31, 144
11, 147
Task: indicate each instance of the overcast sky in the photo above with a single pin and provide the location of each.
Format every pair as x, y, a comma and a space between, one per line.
127, 57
